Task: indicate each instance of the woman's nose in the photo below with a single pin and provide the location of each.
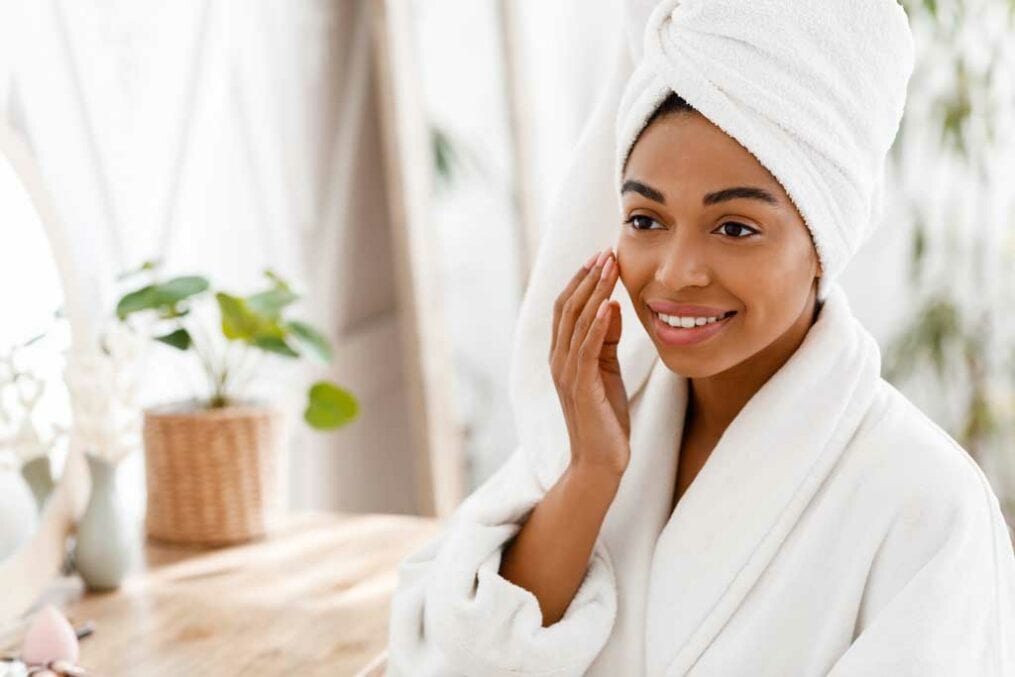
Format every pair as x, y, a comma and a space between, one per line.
682, 263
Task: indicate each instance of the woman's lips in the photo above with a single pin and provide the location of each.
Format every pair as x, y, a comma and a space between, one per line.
678, 336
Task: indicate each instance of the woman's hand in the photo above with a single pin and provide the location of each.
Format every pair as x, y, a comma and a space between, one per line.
586, 373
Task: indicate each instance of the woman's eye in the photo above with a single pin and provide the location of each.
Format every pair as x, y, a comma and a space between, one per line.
641, 222
741, 228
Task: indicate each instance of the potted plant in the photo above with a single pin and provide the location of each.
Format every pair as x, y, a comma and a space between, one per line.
212, 463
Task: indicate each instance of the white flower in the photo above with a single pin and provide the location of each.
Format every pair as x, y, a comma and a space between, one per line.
104, 394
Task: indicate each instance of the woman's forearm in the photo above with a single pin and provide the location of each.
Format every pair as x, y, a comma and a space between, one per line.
550, 554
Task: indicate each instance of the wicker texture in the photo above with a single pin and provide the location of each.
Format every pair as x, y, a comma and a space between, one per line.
213, 475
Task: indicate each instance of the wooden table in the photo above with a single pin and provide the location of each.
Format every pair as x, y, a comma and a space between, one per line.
313, 599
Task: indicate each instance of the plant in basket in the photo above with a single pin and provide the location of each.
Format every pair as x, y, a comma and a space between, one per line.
214, 465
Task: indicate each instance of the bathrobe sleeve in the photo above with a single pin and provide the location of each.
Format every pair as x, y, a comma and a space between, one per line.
940, 596
453, 614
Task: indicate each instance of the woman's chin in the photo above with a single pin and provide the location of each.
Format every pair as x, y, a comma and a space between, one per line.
687, 369
686, 365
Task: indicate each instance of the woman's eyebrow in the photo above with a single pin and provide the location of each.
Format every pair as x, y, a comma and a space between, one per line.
638, 187
748, 192
737, 192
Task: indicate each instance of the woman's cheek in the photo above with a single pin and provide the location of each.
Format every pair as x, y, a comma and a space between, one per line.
628, 275
623, 264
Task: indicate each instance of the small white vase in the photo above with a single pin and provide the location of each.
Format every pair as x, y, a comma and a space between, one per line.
19, 515
107, 541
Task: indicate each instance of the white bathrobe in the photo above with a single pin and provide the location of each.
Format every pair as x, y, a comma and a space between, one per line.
834, 530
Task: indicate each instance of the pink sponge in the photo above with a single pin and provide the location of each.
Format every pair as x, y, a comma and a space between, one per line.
50, 637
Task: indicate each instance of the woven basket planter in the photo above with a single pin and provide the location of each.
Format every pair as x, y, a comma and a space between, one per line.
214, 476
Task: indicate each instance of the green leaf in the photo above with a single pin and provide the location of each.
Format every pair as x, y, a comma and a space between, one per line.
274, 344
179, 339
241, 323
312, 339
160, 296
271, 302
330, 406
237, 323
180, 288
140, 299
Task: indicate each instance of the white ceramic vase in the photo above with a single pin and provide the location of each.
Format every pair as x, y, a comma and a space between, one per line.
107, 541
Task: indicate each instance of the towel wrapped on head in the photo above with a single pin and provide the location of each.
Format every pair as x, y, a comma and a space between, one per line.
814, 89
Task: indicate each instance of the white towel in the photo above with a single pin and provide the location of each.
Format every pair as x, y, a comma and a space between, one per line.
815, 89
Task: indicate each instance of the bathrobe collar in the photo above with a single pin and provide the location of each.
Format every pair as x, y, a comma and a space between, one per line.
704, 558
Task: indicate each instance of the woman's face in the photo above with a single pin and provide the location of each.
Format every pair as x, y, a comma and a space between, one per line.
706, 224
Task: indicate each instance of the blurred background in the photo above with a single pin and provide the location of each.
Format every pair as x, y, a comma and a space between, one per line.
391, 165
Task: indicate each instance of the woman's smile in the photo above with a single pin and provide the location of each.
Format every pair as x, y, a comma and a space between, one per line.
683, 335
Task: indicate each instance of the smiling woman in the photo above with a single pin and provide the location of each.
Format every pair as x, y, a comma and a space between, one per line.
717, 260
734, 490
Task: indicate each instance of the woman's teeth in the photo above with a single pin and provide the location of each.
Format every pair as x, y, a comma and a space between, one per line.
689, 322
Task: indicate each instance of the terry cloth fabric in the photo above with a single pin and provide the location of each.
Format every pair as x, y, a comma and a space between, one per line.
815, 89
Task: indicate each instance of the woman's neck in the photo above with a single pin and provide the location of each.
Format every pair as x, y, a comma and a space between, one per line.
714, 401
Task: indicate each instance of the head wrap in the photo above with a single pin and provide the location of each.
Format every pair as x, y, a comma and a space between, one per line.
814, 89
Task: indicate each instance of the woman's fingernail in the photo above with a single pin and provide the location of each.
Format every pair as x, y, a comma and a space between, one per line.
592, 259
601, 312
607, 268
603, 255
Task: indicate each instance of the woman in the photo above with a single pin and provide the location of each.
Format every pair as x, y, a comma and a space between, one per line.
752, 498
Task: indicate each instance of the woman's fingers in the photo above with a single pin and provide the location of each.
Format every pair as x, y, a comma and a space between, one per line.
572, 307
558, 305
588, 353
601, 291
598, 434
